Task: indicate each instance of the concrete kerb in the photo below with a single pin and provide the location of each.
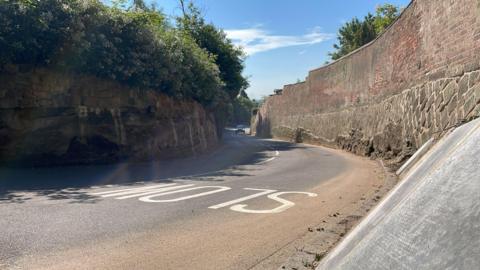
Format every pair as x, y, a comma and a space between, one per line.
416, 157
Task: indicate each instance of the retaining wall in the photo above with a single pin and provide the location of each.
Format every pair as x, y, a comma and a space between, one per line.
49, 118
389, 97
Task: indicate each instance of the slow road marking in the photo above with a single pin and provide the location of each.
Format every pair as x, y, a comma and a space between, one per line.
151, 194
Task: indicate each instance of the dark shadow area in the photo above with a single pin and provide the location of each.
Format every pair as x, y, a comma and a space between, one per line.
69, 183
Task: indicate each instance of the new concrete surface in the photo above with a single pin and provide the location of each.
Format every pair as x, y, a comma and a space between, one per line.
431, 220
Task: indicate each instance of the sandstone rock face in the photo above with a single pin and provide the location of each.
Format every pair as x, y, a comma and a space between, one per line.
53, 118
386, 99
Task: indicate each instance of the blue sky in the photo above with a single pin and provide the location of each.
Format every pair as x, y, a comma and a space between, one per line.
284, 38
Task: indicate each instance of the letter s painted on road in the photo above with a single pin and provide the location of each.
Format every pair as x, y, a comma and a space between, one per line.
275, 196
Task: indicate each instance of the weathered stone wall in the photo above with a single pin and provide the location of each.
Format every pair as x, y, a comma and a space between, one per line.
51, 117
387, 98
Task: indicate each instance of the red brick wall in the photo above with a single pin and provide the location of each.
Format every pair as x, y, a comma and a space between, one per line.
431, 41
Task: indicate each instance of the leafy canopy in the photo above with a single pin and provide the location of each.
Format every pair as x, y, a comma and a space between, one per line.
356, 33
228, 57
132, 44
242, 110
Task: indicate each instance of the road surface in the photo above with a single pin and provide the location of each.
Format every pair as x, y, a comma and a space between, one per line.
230, 209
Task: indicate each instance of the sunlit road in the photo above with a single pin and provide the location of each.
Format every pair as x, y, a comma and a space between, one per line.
229, 209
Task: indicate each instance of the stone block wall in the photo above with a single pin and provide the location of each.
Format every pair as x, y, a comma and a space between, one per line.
54, 118
387, 98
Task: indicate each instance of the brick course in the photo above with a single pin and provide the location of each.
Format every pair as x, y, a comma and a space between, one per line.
387, 98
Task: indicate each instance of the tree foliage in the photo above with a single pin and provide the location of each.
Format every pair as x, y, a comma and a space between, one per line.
242, 110
356, 33
228, 57
134, 45
35, 31
386, 14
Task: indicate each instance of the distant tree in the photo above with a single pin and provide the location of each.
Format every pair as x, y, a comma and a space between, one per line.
182, 6
356, 33
120, 4
385, 15
242, 110
139, 5
228, 57
259, 102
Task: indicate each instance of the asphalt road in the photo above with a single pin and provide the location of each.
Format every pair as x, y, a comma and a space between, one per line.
229, 209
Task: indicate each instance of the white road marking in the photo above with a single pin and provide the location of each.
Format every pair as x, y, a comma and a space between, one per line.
113, 193
264, 192
272, 158
147, 194
149, 198
286, 204
268, 160
155, 191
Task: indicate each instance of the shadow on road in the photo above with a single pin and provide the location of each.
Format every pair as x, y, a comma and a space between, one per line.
232, 159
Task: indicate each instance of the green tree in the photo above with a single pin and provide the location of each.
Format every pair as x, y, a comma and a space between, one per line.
242, 110
35, 32
133, 45
385, 15
128, 42
259, 102
228, 57
139, 5
356, 33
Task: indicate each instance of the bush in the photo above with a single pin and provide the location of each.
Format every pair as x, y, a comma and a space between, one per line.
228, 57
34, 31
133, 46
242, 110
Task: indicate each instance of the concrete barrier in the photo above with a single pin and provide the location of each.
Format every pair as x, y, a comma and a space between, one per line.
431, 220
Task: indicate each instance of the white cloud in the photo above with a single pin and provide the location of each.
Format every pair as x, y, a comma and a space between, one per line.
255, 40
